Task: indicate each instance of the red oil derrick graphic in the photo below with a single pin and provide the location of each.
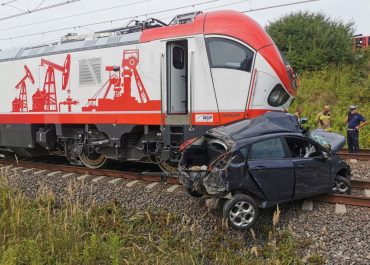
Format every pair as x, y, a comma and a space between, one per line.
121, 81
46, 99
20, 103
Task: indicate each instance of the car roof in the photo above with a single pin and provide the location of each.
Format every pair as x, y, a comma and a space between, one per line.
243, 142
267, 124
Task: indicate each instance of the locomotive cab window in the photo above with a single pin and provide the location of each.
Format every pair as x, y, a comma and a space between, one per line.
224, 53
178, 58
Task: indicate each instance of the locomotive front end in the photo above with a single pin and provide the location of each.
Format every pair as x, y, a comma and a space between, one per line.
272, 83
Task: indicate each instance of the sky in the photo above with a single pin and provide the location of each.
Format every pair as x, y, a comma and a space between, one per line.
80, 15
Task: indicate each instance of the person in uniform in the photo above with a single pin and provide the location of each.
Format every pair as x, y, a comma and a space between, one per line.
323, 119
354, 121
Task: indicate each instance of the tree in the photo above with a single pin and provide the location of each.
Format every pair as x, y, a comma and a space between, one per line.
311, 41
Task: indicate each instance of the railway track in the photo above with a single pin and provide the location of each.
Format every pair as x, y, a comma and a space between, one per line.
354, 200
58, 166
363, 155
65, 168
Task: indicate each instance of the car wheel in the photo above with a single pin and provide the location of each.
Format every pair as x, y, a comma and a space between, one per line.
241, 211
193, 193
342, 185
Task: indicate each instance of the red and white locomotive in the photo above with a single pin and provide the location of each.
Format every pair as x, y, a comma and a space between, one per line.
137, 93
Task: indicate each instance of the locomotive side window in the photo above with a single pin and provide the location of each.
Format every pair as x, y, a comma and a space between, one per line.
178, 58
224, 53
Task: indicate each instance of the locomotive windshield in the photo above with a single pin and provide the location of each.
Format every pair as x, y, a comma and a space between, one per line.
224, 53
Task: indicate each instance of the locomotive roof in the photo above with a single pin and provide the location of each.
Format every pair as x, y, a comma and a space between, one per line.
217, 22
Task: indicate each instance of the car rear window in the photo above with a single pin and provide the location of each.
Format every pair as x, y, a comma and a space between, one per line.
268, 149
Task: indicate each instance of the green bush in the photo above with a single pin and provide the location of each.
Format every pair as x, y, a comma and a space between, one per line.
311, 41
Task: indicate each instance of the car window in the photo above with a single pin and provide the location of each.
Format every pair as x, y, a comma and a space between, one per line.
269, 149
224, 53
303, 148
244, 151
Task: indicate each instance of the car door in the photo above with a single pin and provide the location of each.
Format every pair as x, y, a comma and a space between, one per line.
272, 171
312, 173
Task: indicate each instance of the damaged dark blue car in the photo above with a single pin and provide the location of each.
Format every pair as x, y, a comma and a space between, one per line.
262, 162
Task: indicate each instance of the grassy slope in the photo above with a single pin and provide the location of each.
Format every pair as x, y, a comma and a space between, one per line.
339, 88
41, 232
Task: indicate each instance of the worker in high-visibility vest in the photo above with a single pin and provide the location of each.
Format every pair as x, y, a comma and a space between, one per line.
355, 121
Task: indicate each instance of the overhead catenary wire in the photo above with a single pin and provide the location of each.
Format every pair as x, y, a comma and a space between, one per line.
39, 9
276, 6
146, 15
75, 15
8, 2
108, 21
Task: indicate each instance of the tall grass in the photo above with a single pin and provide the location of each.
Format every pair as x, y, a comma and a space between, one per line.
338, 87
41, 231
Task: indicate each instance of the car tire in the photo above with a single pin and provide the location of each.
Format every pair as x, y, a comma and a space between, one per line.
241, 212
342, 185
194, 193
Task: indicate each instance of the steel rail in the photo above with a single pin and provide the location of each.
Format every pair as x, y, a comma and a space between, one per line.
361, 201
144, 176
359, 156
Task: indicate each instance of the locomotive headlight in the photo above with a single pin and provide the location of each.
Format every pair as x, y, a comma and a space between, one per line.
278, 96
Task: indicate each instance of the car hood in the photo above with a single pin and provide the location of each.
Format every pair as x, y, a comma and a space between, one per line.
330, 140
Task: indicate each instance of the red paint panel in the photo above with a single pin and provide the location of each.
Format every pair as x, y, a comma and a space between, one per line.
273, 57
239, 26
229, 23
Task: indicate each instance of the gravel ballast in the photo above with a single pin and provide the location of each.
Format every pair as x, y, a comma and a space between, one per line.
340, 239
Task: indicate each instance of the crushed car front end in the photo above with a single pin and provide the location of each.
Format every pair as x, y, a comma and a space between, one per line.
203, 167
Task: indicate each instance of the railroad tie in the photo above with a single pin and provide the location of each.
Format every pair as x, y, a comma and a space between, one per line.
68, 175
28, 170
82, 177
132, 183
307, 205
96, 180
52, 174
172, 188
151, 185
114, 181
340, 209
16, 169
367, 193
40, 172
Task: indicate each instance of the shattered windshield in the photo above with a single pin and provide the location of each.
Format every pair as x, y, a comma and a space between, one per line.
320, 140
